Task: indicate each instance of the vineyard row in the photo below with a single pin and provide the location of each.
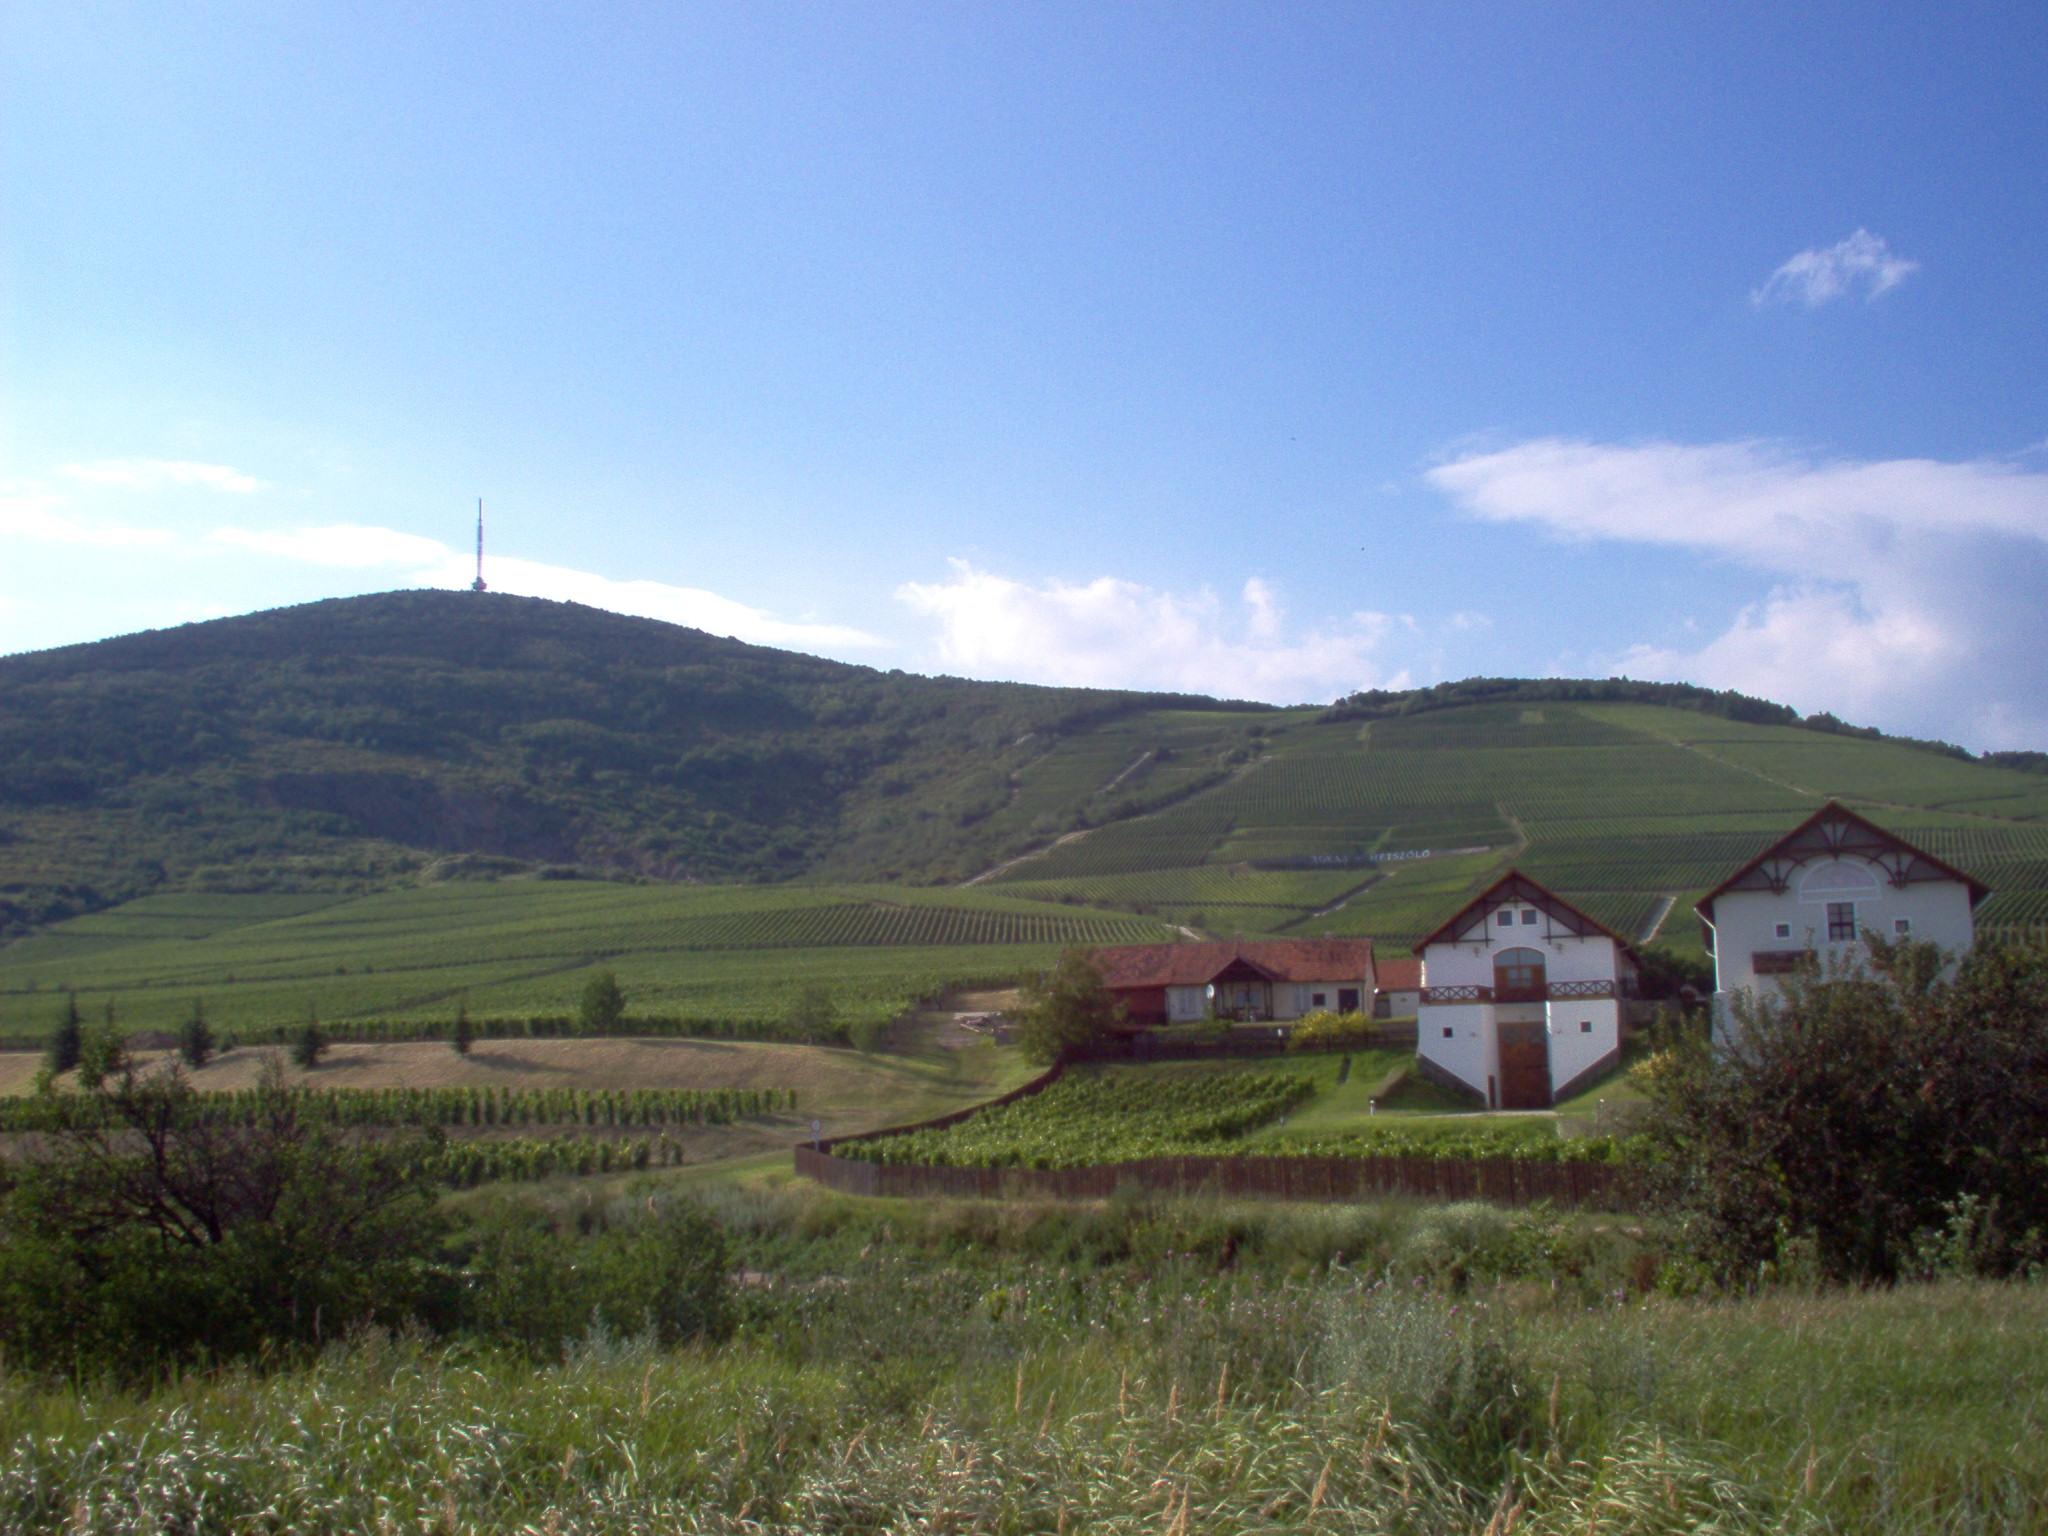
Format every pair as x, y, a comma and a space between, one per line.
435, 1107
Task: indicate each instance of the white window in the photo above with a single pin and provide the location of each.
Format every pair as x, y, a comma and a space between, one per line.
1902, 926
1448, 1031
1585, 1026
1784, 930
1841, 922
1529, 918
1504, 918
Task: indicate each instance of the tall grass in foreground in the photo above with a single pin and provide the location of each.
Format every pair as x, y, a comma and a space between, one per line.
902, 1395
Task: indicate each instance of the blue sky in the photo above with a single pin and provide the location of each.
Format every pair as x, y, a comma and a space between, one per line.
1272, 350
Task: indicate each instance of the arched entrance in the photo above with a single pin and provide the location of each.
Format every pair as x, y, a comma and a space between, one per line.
1519, 978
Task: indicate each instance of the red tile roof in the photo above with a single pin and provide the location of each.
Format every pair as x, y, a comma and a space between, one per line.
1399, 975
1125, 966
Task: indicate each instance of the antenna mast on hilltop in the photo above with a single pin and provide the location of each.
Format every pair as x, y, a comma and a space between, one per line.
478, 584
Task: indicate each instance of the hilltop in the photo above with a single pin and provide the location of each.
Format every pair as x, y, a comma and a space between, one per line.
361, 742
369, 743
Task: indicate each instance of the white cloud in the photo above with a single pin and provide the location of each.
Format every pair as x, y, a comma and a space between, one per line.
1908, 591
1862, 263
40, 516
429, 563
1110, 633
161, 474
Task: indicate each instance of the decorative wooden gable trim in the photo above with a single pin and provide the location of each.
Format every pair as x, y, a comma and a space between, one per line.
1835, 832
1473, 923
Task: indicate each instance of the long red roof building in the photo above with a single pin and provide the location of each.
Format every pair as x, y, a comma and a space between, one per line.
1238, 978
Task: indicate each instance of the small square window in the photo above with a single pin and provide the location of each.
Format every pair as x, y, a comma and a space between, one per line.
1902, 925
1585, 1026
1505, 919
1784, 930
1448, 1031
1315, 999
1529, 918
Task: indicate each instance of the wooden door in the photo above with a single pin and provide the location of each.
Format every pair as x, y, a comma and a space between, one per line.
1524, 1067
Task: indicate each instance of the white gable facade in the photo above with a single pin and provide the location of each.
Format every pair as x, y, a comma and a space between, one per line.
1810, 899
1522, 998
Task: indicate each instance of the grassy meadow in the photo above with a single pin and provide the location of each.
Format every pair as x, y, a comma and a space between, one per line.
971, 1367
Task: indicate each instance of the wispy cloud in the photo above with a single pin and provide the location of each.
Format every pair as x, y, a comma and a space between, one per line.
43, 517
1111, 633
427, 562
1905, 591
1863, 263
162, 474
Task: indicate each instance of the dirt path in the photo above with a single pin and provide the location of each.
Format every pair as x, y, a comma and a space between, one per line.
1025, 858
1656, 922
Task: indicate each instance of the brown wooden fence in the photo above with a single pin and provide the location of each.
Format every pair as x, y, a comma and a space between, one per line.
1500, 1180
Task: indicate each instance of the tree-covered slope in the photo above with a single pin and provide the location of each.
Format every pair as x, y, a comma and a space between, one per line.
354, 742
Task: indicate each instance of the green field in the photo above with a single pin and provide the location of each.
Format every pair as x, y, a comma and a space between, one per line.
522, 948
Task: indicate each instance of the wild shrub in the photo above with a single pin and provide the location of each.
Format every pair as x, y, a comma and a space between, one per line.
1326, 1031
1844, 1123
156, 1235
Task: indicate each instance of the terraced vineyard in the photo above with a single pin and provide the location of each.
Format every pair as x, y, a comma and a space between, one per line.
527, 948
1626, 809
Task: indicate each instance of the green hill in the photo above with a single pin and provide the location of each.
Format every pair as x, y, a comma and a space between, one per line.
369, 744
364, 742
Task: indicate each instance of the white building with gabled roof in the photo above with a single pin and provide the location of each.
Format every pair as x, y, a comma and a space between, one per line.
1809, 899
1522, 997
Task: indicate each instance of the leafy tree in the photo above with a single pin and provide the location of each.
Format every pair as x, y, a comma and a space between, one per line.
195, 1038
813, 1016
67, 1044
603, 1005
465, 1032
309, 1045
1852, 1120
102, 1055
1067, 1009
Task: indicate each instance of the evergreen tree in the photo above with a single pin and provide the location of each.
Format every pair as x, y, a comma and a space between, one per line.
68, 1043
465, 1032
309, 1045
195, 1038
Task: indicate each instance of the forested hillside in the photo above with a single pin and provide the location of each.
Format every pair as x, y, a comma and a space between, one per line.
354, 743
